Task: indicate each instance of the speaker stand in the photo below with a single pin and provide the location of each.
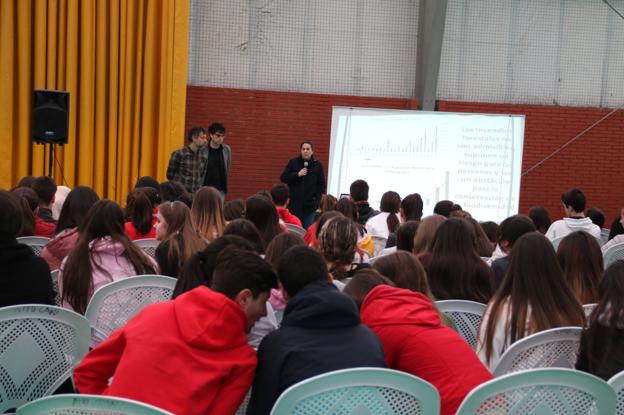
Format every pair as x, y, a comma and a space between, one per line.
50, 158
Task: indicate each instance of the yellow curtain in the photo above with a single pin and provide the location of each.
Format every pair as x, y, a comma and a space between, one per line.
124, 65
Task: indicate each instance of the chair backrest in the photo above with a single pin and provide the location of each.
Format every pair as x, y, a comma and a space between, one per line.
614, 253
556, 347
148, 245
57, 295
588, 308
39, 347
73, 404
541, 391
36, 243
466, 315
114, 304
555, 242
360, 391
298, 230
617, 383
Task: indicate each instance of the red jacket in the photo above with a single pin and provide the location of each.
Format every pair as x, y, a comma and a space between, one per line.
415, 341
134, 234
188, 356
287, 217
43, 228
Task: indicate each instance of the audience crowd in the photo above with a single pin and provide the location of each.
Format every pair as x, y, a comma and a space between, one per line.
261, 304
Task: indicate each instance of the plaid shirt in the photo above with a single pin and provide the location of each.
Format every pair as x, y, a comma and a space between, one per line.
188, 167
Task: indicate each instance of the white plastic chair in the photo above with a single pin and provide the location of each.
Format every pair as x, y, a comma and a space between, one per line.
617, 383
36, 243
57, 295
298, 230
74, 404
114, 304
541, 391
556, 347
466, 315
588, 308
360, 391
613, 254
39, 347
148, 245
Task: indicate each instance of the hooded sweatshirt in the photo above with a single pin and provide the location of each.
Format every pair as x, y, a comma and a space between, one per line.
321, 332
108, 263
58, 248
187, 356
24, 277
415, 341
566, 226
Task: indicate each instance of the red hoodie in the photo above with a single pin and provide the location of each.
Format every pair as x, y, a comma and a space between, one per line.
287, 217
415, 341
188, 356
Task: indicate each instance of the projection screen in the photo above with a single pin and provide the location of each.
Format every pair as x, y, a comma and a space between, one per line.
472, 159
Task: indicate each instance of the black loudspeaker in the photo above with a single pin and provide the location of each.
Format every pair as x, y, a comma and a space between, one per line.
50, 116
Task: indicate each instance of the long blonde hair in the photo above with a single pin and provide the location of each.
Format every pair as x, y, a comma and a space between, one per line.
207, 213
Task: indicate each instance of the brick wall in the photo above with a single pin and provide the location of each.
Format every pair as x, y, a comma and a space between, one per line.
266, 127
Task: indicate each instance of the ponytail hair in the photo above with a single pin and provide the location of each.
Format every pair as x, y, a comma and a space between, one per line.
139, 210
391, 203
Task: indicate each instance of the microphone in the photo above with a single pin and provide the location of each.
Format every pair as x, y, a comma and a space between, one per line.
305, 164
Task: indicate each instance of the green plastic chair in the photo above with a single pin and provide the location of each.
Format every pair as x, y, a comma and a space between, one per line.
73, 404
114, 304
39, 347
541, 392
617, 383
148, 245
360, 391
614, 253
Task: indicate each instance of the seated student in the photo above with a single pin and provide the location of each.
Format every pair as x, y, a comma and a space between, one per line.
328, 204
281, 198
445, 208
45, 188
25, 278
616, 234
234, 209
320, 332
359, 194
541, 218
59, 201
140, 215
484, 246
511, 228
261, 211
602, 342
73, 214
580, 258
415, 340
174, 191
33, 224
532, 297
338, 245
190, 355
103, 254
386, 222
247, 230
597, 216
207, 213
575, 220
423, 238
411, 210
179, 241
365, 242
456, 272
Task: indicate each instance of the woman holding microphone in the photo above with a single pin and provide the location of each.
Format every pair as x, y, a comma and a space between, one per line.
306, 182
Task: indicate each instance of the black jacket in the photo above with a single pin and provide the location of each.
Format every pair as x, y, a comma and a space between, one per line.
321, 332
305, 191
24, 277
